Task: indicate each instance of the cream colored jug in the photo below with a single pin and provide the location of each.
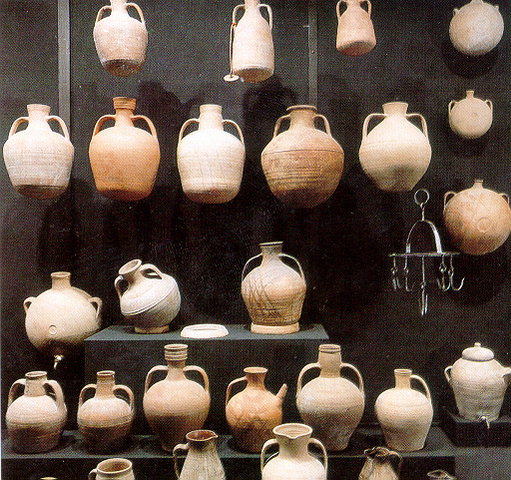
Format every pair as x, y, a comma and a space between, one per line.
381, 464
355, 31
471, 117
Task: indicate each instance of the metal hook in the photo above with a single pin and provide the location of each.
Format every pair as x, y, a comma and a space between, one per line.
451, 278
395, 275
406, 273
423, 301
443, 280
421, 203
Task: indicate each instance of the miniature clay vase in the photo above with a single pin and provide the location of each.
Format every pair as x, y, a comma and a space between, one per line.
330, 404
302, 165
151, 300
355, 31
381, 464
38, 160
253, 413
35, 420
293, 459
113, 469
395, 154
61, 318
476, 28
120, 39
176, 405
210, 160
440, 475
471, 117
273, 292
405, 414
479, 383
124, 159
105, 419
478, 219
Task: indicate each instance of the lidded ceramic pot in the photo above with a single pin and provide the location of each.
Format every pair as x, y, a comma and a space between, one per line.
355, 31
471, 117
479, 383
38, 160
113, 469
381, 464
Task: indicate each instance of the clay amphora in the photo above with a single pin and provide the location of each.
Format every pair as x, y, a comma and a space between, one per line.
476, 28
210, 160
405, 414
202, 461
61, 318
355, 31
151, 300
124, 159
381, 464
175, 406
395, 154
302, 165
35, 420
330, 404
113, 469
120, 39
273, 292
293, 460
105, 419
478, 219
471, 117
440, 475
253, 413
479, 383
38, 160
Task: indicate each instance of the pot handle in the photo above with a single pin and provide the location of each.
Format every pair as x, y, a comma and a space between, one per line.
129, 392
82, 392
299, 382
179, 446
101, 11
270, 14
59, 395
138, 9
59, 120
451, 104
424, 385
185, 126
158, 368
98, 303
267, 444
447, 373
455, 11
100, 122
117, 285
204, 375
490, 104
285, 255
150, 124
315, 441
92, 474
338, 8
423, 122
325, 122
27, 302
506, 197
400, 460
367, 120
235, 11
151, 268
16, 124
447, 195
236, 126
278, 123
246, 265
369, 6
229, 387
14, 387
359, 375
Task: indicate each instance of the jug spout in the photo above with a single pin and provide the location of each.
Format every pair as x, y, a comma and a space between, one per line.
282, 392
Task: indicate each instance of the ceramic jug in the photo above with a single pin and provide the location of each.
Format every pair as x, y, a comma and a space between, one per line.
471, 117
210, 160
253, 413
330, 404
302, 165
476, 28
124, 159
479, 383
61, 318
478, 219
395, 154
176, 405
105, 419
355, 31
151, 299
293, 460
38, 160
273, 292
35, 419
120, 39
440, 475
113, 469
202, 461
381, 464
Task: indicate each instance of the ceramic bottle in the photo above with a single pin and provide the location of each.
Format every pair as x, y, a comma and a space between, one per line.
355, 31
471, 117
113, 469
381, 464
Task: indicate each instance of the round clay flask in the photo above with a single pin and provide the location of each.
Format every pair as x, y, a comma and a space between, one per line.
471, 117
113, 469
355, 31
38, 160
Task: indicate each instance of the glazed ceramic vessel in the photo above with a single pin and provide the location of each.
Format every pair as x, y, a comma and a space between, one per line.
381, 464
471, 117
113, 469
355, 31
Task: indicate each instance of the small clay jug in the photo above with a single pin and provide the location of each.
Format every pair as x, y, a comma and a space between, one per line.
253, 413
355, 31
38, 160
35, 420
381, 464
105, 419
113, 469
440, 475
471, 117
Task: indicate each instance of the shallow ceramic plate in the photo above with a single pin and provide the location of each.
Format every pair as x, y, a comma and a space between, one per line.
204, 330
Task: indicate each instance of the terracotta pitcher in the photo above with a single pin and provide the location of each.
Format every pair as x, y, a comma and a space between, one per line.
113, 469
355, 31
440, 475
381, 464
302, 165
124, 159
38, 160
471, 117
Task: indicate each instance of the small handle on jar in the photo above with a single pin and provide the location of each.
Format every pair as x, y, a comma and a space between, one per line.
16, 124
82, 392
101, 11
92, 474
455, 11
235, 11
270, 13
506, 196
180, 446
158, 368
315, 441
359, 375
446, 197
278, 123
367, 120
267, 444
447, 373
325, 122
61, 123
424, 385
138, 9
204, 375
299, 382
129, 393
423, 122
117, 285
150, 124
285, 255
229, 388
369, 6
13, 390
237, 128
185, 126
149, 267
338, 8
98, 304
490, 104
451, 104
100, 122
59, 395
27, 302
246, 265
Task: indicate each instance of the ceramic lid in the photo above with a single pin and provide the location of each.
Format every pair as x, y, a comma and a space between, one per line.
477, 353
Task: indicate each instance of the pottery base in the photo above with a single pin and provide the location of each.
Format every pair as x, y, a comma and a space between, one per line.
274, 329
125, 195
122, 68
163, 329
42, 192
254, 74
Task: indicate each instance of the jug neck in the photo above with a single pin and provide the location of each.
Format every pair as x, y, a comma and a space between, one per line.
60, 280
403, 378
293, 439
395, 108
124, 111
105, 382
131, 271
270, 252
302, 116
176, 355
202, 441
37, 116
330, 360
118, 4
210, 117
34, 386
478, 183
252, 3
255, 377
470, 94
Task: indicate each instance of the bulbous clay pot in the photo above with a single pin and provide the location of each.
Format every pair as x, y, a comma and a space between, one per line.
113, 469
355, 31
471, 117
381, 464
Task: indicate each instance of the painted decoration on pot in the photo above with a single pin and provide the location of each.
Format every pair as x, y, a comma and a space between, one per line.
381, 464
113, 469
355, 31
471, 117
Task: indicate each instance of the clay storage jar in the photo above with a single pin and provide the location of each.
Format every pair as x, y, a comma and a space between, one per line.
120, 39
176, 405
38, 160
381, 464
471, 117
113, 469
355, 31
35, 419
124, 159
302, 165
210, 160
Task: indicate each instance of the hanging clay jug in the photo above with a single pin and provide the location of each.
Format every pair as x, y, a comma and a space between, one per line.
253, 413
120, 39
293, 460
105, 419
405, 414
35, 420
210, 160
471, 117
381, 464
302, 165
440, 475
38, 160
124, 159
478, 219
61, 318
355, 31
479, 383
395, 154
175, 406
151, 300
273, 292
476, 28
330, 404
113, 469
